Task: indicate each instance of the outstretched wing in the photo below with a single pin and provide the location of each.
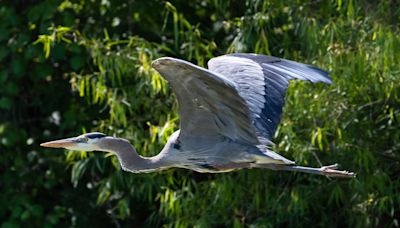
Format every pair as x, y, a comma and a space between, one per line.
262, 82
210, 105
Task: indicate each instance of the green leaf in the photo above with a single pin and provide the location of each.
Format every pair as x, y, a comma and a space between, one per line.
25, 215
77, 62
4, 33
3, 53
3, 76
17, 66
78, 169
11, 89
5, 103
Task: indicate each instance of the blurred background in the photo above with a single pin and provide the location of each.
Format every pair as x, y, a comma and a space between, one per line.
73, 66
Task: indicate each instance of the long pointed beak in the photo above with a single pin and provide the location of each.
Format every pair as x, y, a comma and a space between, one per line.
62, 143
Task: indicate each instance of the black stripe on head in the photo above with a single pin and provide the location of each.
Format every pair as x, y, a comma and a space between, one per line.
95, 135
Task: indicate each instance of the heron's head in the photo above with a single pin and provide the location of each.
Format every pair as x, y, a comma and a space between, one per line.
85, 142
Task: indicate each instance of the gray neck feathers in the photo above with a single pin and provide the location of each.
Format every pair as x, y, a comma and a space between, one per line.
129, 159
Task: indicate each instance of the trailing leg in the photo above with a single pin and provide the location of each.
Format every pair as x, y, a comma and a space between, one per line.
329, 171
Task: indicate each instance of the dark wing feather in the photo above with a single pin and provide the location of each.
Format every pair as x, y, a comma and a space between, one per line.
262, 82
210, 106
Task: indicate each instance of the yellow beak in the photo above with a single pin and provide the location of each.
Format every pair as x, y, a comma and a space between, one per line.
62, 143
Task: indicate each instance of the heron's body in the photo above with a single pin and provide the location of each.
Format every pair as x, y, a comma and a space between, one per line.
229, 114
214, 155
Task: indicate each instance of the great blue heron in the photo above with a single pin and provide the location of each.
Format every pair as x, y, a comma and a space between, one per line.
228, 116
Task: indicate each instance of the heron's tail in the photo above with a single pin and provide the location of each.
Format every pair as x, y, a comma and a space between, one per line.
270, 157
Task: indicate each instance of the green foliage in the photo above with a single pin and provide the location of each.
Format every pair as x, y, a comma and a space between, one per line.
76, 66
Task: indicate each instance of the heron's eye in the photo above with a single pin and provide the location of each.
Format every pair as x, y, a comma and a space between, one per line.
83, 139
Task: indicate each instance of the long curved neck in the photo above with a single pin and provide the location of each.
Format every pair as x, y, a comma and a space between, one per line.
130, 160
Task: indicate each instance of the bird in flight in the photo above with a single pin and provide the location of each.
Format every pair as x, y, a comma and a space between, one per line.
228, 116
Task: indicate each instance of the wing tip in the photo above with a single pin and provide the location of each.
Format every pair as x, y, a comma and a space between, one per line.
323, 75
317, 74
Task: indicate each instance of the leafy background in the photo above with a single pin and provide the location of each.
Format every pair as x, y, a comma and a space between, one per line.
69, 66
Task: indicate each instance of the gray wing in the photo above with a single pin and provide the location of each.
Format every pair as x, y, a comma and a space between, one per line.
210, 105
262, 82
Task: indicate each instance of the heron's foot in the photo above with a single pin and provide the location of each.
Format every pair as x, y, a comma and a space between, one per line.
332, 171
